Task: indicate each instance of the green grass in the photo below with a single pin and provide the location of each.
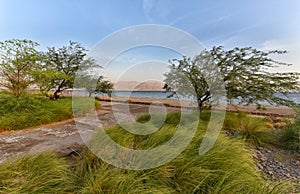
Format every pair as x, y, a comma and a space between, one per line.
40, 173
289, 136
226, 168
252, 130
33, 110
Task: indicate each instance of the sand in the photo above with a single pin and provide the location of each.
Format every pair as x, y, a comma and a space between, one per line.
280, 111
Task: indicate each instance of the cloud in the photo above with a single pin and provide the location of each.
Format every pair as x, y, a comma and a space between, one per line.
219, 19
232, 38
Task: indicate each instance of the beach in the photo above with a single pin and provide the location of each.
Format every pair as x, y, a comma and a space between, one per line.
277, 111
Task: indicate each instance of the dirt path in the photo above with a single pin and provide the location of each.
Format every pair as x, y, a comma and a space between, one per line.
62, 137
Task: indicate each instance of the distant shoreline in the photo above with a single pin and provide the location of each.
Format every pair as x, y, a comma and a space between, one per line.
278, 111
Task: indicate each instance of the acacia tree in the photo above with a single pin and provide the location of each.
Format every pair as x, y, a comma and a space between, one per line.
195, 77
94, 84
245, 76
17, 60
103, 85
59, 70
248, 78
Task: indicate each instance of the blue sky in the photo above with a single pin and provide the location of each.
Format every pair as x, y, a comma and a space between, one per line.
267, 24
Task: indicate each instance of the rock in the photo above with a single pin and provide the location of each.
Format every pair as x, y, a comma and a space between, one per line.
74, 148
295, 162
262, 158
278, 170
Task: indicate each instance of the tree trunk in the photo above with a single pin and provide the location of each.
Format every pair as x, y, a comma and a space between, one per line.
200, 104
55, 94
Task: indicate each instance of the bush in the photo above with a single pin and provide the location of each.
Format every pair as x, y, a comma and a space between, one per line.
252, 129
289, 136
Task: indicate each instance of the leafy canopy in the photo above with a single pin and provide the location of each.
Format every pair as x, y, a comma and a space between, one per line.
245, 73
18, 58
59, 70
93, 84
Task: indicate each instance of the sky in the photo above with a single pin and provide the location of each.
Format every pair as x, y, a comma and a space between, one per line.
266, 25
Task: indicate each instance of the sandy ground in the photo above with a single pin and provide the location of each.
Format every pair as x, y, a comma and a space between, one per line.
268, 111
64, 137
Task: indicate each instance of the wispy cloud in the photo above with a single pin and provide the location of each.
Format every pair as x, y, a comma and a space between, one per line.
219, 19
180, 18
231, 38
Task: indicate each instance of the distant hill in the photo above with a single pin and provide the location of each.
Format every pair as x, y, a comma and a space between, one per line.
139, 86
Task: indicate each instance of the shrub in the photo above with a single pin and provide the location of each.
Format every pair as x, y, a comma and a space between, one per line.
289, 136
252, 129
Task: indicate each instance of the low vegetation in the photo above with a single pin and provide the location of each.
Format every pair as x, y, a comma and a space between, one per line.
227, 168
253, 130
40, 173
33, 110
289, 137
263, 132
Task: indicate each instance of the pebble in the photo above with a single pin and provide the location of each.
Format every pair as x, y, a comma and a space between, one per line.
276, 170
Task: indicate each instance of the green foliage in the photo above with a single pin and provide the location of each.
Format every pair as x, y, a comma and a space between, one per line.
246, 76
21, 65
144, 118
59, 70
244, 72
103, 85
289, 136
195, 77
83, 105
226, 168
44, 77
17, 60
39, 173
93, 84
32, 110
253, 130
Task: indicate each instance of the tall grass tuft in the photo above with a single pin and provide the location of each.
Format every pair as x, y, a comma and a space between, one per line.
253, 130
289, 136
38, 173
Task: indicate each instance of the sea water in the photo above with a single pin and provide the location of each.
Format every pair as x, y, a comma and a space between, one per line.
295, 96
